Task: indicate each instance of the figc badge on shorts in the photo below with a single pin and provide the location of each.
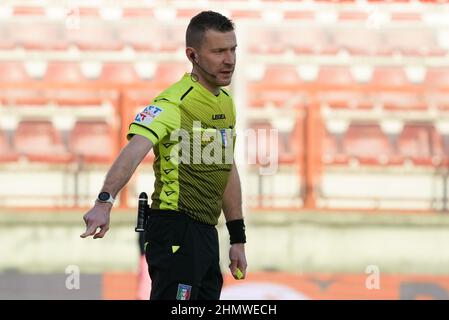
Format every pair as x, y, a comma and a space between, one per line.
184, 291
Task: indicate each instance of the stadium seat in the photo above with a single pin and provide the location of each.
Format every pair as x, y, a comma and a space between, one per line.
415, 143
245, 14
411, 41
367, 143
437, 77
168, 73
63, 72
94, 37
119, 72
6, 40
82, 98
6, 152
259, 149
310, 40
281, 74
168, 38
136, 35
266, 41
389, 76
92, 141
40, 141
346, 100
398, 101
357, 41
291, 146
12, 72
38, 36
152, 37
24, 97
335, 76
440, 146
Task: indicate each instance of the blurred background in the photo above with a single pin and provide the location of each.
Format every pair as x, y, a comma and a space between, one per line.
358, 92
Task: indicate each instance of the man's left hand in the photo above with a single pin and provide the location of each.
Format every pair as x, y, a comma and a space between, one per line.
238, 260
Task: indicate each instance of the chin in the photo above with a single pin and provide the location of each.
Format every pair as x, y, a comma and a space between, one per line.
224, 82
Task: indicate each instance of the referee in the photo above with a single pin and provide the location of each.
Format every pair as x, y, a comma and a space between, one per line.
191, 126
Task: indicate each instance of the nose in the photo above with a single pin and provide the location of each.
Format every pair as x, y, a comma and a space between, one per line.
229, 58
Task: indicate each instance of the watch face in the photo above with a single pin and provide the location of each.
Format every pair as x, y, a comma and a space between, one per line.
104, 196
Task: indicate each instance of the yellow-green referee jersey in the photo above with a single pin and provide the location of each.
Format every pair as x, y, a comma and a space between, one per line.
193, 132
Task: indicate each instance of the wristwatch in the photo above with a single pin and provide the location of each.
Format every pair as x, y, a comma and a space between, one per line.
105, 197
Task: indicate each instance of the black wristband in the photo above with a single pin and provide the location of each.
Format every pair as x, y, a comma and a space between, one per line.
236, 230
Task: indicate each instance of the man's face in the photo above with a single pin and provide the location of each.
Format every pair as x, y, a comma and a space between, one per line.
217, 57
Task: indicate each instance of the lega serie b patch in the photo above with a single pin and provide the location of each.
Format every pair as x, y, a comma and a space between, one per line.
147, 115
184, 292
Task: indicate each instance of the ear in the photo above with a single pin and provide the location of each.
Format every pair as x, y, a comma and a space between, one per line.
191, 55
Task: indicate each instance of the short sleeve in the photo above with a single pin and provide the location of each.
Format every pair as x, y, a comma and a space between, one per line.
155, 121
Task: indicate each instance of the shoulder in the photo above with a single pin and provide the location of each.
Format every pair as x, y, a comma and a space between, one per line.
174, 94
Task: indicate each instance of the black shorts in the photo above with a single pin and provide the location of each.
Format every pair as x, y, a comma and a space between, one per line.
183, 258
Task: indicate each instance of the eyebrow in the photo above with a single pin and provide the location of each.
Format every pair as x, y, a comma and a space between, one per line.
219, 49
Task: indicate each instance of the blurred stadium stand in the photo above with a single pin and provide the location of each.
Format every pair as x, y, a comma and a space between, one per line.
351, 86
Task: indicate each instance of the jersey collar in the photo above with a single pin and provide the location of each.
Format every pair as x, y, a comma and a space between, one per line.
200, 87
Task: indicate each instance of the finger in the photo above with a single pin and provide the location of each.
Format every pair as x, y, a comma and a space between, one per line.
233, 265
242, 268
90, 230
102, 232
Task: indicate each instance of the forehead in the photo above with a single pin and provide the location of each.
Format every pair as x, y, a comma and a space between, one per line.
216, 39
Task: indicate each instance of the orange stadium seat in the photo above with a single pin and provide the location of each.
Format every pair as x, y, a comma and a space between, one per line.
310, 40
40, 141
440, 146
94, 37
266, 41
346, 100
389, 76
136, 36
259, 149
6, 152
291, 145
415, 143
275, 76
168, 38
24, 97
398, 101
357, 41
281, 74
332, 149
12, 72
6, 40
167, 73
367, 143
437, 77
335, 76
411, 41
152, 38
38, 36
93, 141
63, 72
119, 72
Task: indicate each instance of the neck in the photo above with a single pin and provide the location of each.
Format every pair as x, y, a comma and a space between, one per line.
201, 79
